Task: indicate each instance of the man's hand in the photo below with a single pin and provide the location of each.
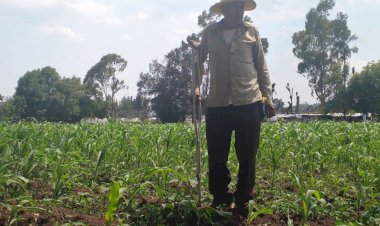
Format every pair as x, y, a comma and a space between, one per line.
197, 96
270, 111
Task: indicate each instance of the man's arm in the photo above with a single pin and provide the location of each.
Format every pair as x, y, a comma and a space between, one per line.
262, 69
263, 78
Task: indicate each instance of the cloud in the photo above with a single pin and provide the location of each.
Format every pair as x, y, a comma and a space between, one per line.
358, 63
127, 37
62, 32
142, 16
192, 16
88, 8
283, 10
30, 3
181, 31
357, 2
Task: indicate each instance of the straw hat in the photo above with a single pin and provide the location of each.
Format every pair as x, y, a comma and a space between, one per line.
248, 5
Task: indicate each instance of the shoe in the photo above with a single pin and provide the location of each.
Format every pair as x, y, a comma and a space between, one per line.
242, 209
225, 200
242, 203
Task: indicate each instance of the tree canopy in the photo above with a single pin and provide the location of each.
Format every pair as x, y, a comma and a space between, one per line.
323, 49
168, 85
364, 89
44, 95
101, 78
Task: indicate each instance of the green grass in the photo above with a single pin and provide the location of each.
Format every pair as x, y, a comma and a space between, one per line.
313, 170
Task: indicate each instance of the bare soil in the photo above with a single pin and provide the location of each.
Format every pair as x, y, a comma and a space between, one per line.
41, 190
61, 215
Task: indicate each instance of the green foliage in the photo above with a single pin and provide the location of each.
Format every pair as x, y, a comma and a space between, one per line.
253, 214
36, 92
324, 43
113, 201
322, 170
100, 159
92, 105
134, 107
207, 18
126, 106
101, 78
8, 111
279, 105
168, 85
310, 199
42, 94
364, 89
24, 203
71, 91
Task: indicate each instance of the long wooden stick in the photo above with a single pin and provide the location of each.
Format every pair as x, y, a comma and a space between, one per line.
197, 117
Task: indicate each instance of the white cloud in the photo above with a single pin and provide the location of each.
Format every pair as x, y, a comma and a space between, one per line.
357, 2
288, 31
192, 17
30, 3
283, 10
89, 8
358, 63
93, 9
142, 16
62, 31
127, 37
181, 31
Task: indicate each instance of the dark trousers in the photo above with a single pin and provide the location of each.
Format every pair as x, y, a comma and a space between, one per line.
220, 122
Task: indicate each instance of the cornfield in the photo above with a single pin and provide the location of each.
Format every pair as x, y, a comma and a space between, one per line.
316, 173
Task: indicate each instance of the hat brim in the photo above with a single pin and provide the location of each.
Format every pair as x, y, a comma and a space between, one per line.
248, 6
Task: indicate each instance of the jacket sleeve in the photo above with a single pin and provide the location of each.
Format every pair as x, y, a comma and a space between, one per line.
265, 84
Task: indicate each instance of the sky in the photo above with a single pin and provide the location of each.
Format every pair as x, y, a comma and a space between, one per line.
72, 35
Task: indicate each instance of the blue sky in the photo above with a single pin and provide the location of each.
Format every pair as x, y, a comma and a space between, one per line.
72, 35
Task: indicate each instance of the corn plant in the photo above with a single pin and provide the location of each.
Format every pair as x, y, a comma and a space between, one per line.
254, 212
23, 204
113, 202
310, 199
298, 163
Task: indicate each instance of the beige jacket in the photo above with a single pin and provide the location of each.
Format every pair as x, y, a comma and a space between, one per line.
237, 71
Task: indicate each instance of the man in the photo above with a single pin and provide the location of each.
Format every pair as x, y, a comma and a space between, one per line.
239, 84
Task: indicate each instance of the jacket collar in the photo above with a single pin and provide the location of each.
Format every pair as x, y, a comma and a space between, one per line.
218, 28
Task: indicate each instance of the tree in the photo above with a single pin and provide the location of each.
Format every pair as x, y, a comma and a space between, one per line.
364, 89
167, 85
7, 109
45, 96
70, 91
278, 105
321, 45
125, 106
35, 93
102, 78
92, 105
297, 102
1, 98
338, 100
130, 107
